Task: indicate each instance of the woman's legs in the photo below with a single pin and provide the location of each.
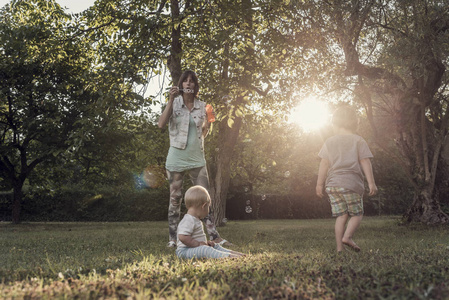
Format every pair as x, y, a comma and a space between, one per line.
174, 208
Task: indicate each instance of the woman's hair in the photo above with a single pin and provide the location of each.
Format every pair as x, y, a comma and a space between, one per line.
345, 117
196, 196
184, 77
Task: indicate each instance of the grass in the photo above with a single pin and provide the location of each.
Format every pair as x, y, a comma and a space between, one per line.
287, 259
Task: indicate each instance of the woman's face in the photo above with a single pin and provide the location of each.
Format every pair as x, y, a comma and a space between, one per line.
188, 83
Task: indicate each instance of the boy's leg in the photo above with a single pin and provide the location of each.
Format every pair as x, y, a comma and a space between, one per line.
201, 252
199, 176
355, 209
340, 224
174, 208
353, 224
340, 211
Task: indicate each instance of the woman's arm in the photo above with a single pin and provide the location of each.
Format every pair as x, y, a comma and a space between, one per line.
210, 118
206, 127
165, 116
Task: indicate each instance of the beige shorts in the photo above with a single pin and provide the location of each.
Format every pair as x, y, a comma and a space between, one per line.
344, 201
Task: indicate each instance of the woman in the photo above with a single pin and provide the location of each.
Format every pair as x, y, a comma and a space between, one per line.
188, 125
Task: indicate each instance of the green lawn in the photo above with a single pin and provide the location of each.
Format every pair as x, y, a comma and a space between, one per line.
286, 259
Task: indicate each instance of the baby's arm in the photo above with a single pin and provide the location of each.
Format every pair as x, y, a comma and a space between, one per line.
322, 173
368, 171
189, 241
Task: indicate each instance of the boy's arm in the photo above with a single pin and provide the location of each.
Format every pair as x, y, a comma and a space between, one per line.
368, 171
189, 241
322, 173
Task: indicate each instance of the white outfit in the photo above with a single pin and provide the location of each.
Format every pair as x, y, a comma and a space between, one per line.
193, 227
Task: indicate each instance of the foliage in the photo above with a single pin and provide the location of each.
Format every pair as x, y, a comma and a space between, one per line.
46, 85
395, 61
71, 103
286, 259
76, 119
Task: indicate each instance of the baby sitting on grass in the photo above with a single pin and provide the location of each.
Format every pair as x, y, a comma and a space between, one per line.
192, 241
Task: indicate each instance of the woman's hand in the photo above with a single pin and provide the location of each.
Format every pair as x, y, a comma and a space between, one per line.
174, 90
168, 110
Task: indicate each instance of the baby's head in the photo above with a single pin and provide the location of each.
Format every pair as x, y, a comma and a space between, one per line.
196, 196
345, 117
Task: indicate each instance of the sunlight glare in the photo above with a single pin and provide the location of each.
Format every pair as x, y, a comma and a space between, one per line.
311, 114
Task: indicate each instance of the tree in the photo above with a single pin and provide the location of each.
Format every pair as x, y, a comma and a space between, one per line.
57, 92
395, 58
43, 89
249, 58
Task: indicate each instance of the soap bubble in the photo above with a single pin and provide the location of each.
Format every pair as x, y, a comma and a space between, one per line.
246, 189
287, 174
248, 202
264, 197
217, 149
225, 220
248, 209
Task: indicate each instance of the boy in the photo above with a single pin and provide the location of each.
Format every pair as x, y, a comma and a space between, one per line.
343, 158
192, 241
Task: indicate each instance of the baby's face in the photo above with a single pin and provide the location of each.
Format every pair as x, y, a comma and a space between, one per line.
205, 210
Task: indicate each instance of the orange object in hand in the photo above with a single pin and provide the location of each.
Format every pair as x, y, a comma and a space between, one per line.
210, 113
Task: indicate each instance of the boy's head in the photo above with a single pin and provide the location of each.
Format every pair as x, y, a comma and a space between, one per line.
196, 196
345, 117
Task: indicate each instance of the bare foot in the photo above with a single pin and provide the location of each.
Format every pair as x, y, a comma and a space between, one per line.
238, 253
234, 255
353, 246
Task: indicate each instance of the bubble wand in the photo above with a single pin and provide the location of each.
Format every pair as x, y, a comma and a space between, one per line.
189, 91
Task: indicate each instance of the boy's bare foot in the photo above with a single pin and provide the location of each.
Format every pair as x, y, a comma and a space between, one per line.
353, 246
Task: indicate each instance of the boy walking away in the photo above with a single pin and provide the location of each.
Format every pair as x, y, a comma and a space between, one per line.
192, 241
345, 157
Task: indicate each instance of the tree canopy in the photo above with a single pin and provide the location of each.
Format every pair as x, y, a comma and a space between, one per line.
72, 88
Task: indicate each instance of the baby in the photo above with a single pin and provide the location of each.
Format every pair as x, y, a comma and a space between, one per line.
192, 241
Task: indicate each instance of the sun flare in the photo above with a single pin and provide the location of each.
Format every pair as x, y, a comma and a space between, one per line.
311, 114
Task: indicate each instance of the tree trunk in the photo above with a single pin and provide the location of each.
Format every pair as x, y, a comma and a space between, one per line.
221, 172
174, 60
426, 209
17, 203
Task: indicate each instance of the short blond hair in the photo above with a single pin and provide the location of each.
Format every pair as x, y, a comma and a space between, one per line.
196, 196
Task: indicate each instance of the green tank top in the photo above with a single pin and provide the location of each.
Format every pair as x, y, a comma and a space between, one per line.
179, 160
